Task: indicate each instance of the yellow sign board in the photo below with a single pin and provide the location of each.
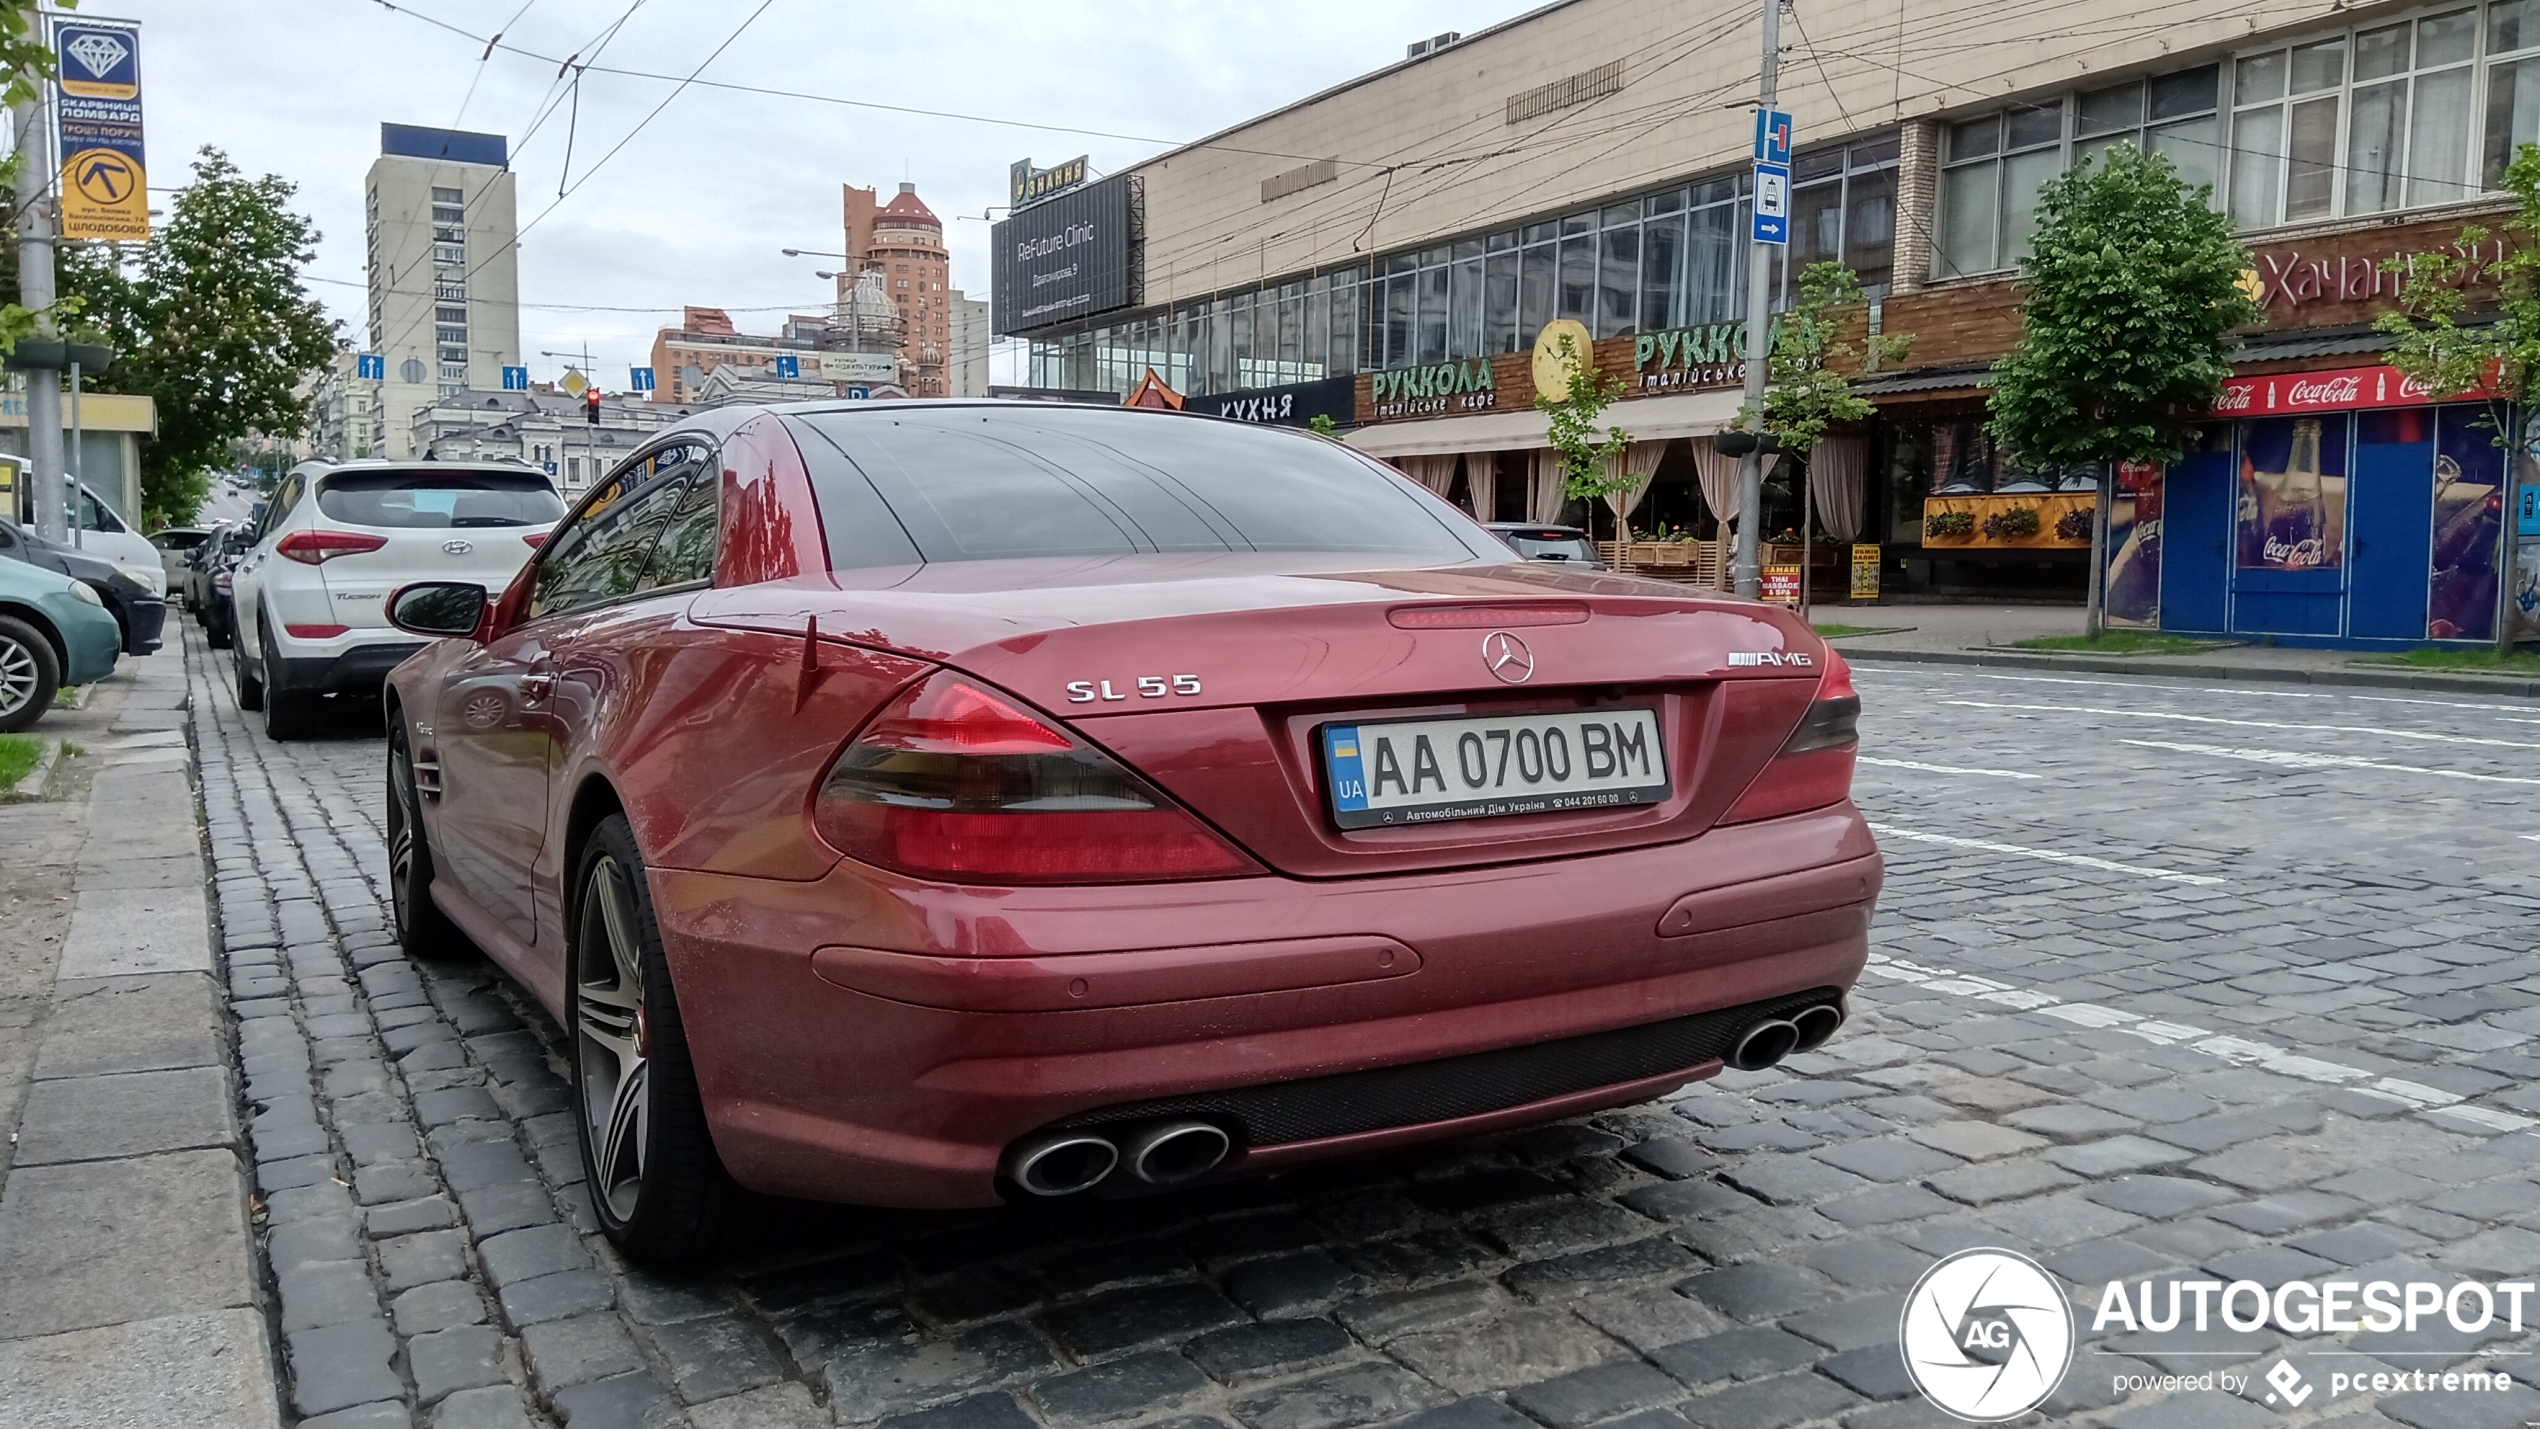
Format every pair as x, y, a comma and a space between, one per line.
1562, 350
1865, 572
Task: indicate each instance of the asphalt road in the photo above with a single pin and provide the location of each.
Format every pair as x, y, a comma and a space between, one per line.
2229, 982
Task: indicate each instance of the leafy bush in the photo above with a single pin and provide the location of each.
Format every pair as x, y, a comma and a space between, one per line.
2017, 524
1949, 523
2074, 526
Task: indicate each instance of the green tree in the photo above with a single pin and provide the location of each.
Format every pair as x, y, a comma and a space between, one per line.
2132, 294
1590, 460
1807, 383
2496, 359
211, 321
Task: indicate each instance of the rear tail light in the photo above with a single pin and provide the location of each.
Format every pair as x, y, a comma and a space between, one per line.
1814, 767
535, 539
316, 548
958, 782
316, 632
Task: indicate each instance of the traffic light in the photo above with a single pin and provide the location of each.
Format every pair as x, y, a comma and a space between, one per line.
591, 406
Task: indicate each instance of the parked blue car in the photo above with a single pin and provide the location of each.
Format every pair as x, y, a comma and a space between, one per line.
53, 631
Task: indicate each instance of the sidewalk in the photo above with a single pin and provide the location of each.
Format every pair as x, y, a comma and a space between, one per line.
1981, 635
130, 1293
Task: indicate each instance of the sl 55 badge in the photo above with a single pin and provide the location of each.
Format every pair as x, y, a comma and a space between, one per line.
1153, 687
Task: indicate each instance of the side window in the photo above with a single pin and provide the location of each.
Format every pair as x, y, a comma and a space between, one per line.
285, 497
684, 555
9, 544
602, 554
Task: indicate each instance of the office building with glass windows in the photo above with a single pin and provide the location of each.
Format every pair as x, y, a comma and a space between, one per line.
441, 238
1412, 232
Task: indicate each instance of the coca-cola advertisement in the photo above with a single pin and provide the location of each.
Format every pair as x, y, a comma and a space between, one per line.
2133, 587
2293, 493
2469, 515
2343, 390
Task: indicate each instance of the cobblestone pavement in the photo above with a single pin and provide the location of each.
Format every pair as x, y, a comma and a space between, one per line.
2238, 982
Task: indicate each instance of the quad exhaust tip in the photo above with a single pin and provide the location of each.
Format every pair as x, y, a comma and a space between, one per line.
1061, 1163
1769, 1041
1176, 1151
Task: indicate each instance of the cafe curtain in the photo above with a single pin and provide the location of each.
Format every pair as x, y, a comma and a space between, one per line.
1434, 472
1837, 472
1546, 488
1481, 480
1640, 462
1718, 475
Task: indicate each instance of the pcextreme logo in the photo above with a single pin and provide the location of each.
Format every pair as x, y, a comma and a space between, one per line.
1987, 1335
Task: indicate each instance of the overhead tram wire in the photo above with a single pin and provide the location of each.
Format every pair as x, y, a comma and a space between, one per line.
514, 241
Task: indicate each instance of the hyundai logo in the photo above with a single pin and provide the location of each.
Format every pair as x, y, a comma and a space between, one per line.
458, 548
1508, 657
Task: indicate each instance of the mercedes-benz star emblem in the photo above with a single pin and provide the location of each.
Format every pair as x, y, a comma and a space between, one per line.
458, 548
1508, 657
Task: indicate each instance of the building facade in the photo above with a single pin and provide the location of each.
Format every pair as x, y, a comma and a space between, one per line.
1588, 162
441, 234
343, 412
973, 338
542, 427
904, 242
855, 347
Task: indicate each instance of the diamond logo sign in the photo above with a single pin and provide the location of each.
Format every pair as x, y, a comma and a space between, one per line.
98, 53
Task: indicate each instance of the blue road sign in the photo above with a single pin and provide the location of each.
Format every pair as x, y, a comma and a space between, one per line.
370, 365
788, 365
640, 379
858, 394
551, 468
515, 379
2527, 514
1772, 203
1772, 137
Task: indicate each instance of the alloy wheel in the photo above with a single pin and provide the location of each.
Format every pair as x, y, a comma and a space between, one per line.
610, 1037
402, 822
19, 678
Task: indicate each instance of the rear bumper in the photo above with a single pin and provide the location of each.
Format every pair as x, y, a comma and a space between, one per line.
865, 1039
361, 669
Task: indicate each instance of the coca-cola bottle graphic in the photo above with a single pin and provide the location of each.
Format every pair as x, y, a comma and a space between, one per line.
2297, 527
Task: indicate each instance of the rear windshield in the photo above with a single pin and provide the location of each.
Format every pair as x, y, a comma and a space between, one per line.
436, 499
975, 483
1552, 548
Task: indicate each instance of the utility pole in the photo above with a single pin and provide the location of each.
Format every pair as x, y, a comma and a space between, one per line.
1746, 568
35, 292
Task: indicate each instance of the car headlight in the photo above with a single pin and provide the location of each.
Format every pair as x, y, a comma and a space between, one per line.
82, 590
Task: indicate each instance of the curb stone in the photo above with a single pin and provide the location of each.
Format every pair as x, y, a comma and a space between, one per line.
2202, 670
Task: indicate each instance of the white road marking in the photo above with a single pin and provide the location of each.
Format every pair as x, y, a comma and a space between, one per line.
2425, 1100
2081, 860
2291, 759
2253, 723
1941, 768
2440, 704
2125, 684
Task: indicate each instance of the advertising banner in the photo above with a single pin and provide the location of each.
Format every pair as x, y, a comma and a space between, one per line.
1291, 406
2469, 515
2132, 592
1781, 585
2293, 494
1064, 258
1865, 572
2342, 390
97, 120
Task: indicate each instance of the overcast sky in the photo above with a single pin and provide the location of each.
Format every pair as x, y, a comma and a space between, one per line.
695, 207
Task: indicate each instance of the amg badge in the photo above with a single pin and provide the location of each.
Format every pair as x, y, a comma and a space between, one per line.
1770, 657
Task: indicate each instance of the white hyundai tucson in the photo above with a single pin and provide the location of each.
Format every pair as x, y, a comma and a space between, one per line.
336, 539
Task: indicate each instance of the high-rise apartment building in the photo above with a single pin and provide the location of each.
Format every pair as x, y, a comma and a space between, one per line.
972, 338
904, 242
442, 227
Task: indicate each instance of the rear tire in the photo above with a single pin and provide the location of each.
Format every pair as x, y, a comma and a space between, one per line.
250, 687
658, 1189
29, 675
289, 714
423, 930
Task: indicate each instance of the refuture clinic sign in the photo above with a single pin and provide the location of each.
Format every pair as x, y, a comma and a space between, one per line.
1064, 258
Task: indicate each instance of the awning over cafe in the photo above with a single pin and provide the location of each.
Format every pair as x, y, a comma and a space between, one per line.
1646, 419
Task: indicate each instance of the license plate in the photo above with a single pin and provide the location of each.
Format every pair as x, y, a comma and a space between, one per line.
1420, 771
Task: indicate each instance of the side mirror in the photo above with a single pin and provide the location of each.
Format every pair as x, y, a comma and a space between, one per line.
440, 609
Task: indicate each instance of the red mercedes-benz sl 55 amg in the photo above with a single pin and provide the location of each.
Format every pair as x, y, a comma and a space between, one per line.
923, 804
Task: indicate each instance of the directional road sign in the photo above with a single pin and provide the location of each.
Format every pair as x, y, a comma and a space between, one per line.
515, 379
788, 365
640, 379
371, 365
1772, 203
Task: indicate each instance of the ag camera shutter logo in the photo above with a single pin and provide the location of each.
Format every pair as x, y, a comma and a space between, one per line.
1987, 1335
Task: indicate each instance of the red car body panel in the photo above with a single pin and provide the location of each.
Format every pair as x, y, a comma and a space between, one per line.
868, 1036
